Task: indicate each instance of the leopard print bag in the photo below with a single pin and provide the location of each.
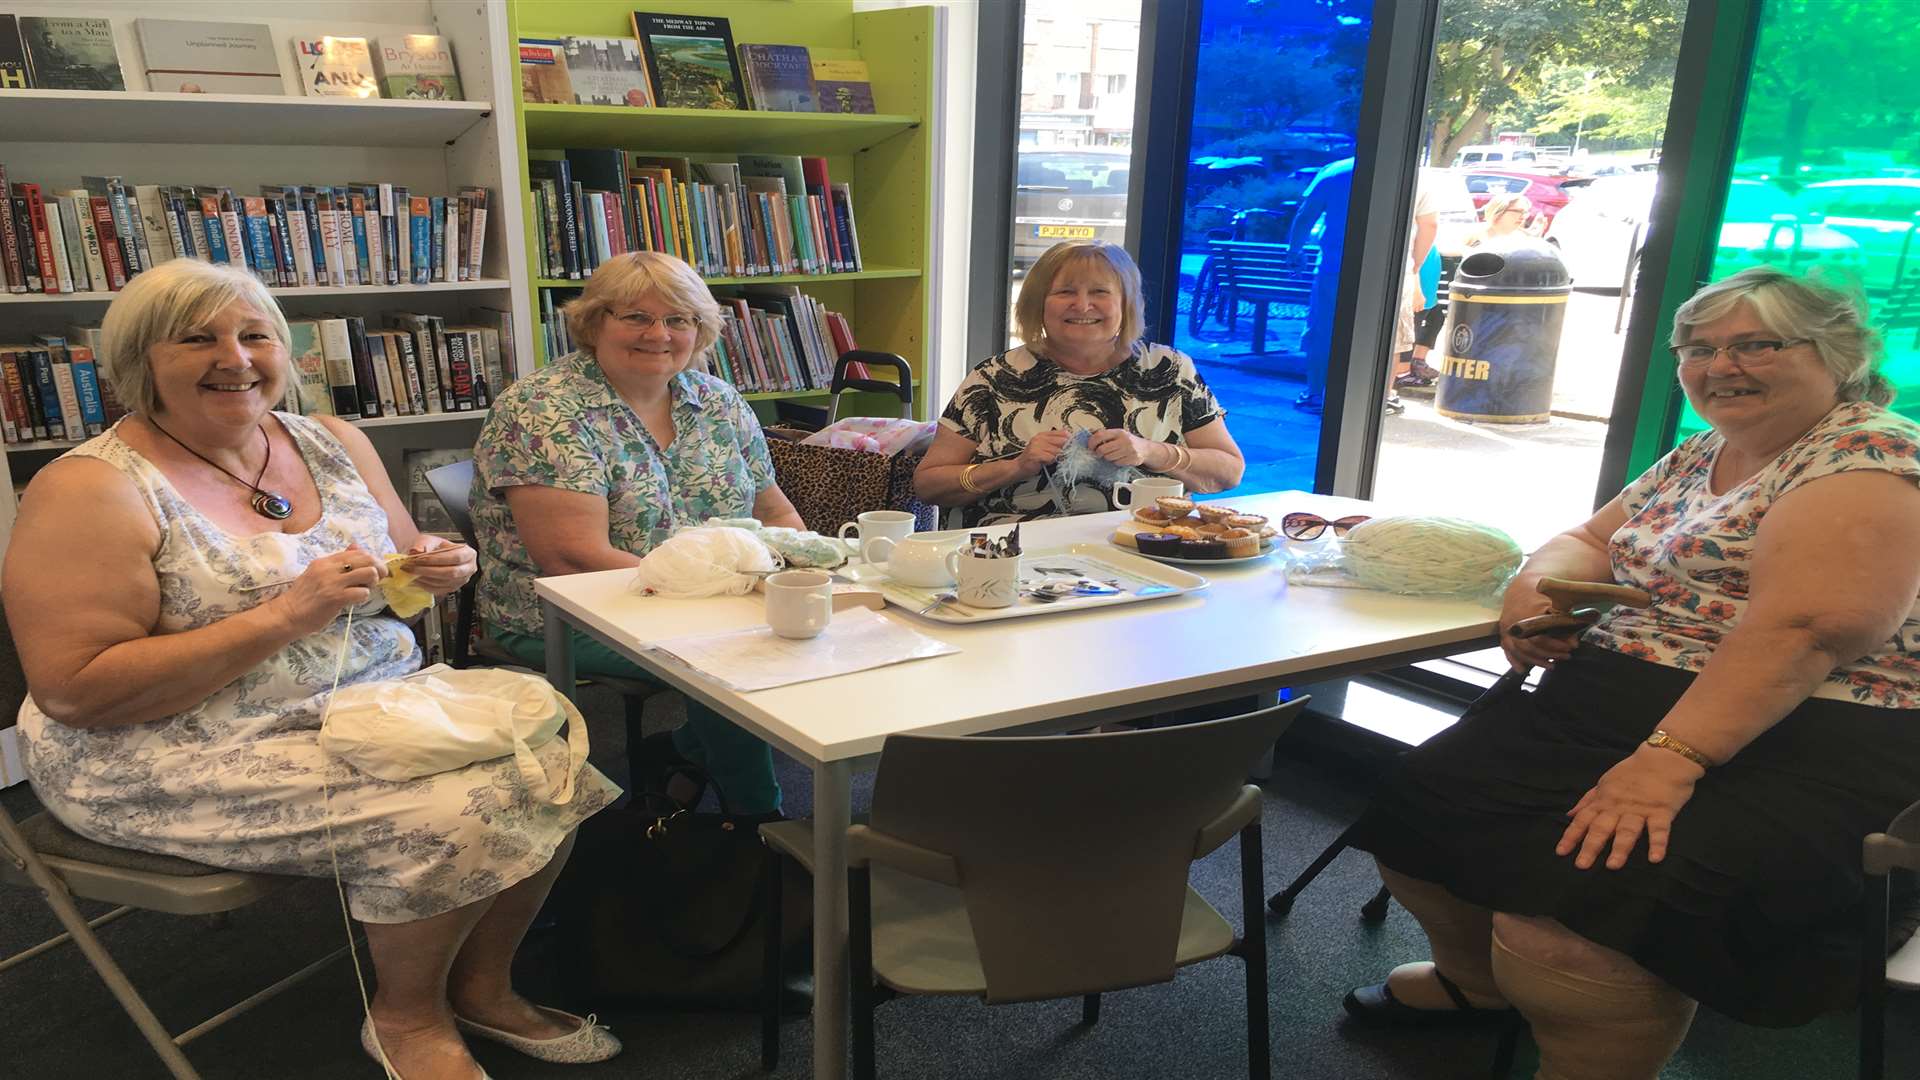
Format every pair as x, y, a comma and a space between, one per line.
831, 485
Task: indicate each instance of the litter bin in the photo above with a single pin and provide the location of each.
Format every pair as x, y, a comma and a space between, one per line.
1504, 313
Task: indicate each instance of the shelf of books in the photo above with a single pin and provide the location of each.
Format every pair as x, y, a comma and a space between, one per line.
781, 149
350, 155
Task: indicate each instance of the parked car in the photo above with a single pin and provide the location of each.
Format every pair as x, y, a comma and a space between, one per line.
1602, 228
1077, 193
1547, 192
1496, 154
1881, 215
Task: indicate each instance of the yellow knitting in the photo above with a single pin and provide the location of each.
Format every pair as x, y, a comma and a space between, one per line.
404, 598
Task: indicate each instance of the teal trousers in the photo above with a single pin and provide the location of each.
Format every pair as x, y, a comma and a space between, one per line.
739, 763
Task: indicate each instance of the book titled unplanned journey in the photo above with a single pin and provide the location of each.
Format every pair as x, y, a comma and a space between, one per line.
416, 67
691, 59
71, 53
185, 57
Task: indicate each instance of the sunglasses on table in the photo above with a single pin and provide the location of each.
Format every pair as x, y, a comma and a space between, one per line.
1754, 353
1301, 525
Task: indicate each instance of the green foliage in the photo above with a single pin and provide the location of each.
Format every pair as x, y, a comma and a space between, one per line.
1491, 56
1830, 73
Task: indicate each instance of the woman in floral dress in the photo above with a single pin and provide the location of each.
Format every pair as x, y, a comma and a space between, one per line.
1750, 727
180, 590
583, 463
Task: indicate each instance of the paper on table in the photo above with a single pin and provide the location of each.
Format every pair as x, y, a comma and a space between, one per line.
758, 659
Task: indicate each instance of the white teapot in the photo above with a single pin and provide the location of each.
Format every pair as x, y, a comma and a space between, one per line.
916, 559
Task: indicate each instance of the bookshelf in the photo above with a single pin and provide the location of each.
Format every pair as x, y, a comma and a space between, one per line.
888, 158
53, 137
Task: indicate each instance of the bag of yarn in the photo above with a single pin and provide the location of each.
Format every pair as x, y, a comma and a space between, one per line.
1418, 555
708, 561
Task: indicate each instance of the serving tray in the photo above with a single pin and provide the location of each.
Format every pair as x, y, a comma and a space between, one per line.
1139, 579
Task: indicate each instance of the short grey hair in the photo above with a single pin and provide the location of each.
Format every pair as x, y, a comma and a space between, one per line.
1832, 317
624, 278
163, 303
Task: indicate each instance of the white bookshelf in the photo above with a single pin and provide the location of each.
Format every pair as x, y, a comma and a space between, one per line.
53, 137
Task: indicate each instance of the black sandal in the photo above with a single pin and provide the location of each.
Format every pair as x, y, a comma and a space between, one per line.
1377, 1005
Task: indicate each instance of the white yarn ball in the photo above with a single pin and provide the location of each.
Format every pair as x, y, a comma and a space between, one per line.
1431, 556
703, 562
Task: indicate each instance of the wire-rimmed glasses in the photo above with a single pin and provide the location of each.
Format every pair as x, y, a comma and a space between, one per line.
1758, 352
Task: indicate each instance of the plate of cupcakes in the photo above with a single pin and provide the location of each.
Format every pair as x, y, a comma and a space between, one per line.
1179, 530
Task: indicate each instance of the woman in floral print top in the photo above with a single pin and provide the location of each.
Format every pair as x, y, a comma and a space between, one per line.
583, 462
1751, 725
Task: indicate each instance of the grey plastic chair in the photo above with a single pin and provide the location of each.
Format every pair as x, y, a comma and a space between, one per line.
44, 855
1030, 868
1881, 853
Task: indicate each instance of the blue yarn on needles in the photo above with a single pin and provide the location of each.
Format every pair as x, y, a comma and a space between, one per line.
1078, 464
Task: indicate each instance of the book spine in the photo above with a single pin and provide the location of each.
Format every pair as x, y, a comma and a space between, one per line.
230, 230
302, 239
136, 218
47, 393
570, 231
362, 264
260, 243
74, 427
75, 241
364, 378
11, 416
12, 269
57, 240
86, 385
438, 205
389, 235
336, 347
461, 366
477, 235
424, 397
316, 239
490, 353
460, 270
29, 252
18, 384
402, 237
421, 219
42, 239
116, 268
80, 206
382, 371
176, 232
372, 219
123, 226
283, 249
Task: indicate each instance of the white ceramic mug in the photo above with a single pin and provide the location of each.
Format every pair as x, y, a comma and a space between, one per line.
799, 603
874, 525
1143, 491
917, 558
983, 582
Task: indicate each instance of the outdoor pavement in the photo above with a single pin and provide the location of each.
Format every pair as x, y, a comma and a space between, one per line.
1533, 480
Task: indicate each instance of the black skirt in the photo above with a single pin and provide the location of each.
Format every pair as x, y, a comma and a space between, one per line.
1753, 911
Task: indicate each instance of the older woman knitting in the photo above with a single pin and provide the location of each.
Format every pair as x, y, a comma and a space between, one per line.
1085, 366
1750, 727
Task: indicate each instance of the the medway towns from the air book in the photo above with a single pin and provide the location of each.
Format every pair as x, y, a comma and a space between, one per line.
335, 67
188, 57
691, 59
416, 67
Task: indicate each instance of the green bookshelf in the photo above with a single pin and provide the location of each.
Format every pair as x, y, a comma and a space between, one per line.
886, 158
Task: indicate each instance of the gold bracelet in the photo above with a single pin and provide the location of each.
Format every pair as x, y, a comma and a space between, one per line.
966, 479
1182, 457
1667, 742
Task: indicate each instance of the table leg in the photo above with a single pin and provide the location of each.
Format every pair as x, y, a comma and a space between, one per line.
559, 648
832, 813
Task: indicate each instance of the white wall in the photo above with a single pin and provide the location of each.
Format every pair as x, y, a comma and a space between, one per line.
953, 186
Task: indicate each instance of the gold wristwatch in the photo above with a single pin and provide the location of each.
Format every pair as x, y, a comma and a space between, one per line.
1667, 742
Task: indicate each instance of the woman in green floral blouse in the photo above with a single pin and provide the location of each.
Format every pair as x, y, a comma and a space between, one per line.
582, 462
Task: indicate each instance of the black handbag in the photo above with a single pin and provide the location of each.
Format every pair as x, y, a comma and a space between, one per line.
667, 907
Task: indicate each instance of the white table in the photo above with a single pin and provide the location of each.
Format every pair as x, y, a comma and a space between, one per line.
1247, 633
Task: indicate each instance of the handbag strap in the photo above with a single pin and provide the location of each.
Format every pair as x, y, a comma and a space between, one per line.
654, 901
535, 776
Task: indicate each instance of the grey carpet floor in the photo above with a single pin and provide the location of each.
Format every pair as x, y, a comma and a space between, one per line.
58, 1021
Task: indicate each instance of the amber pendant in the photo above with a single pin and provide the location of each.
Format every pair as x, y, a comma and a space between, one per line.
269, 504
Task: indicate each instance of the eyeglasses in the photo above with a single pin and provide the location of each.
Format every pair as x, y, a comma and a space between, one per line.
642, 320
1747, 354
1304, 526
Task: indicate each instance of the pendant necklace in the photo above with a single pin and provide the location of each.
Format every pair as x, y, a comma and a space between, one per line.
266, 503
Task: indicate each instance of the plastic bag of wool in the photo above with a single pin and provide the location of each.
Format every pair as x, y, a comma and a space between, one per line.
1415, 555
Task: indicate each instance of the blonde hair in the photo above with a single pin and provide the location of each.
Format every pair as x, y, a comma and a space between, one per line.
163, 303
1030, 310
1832, 318
1500, 204
623, 278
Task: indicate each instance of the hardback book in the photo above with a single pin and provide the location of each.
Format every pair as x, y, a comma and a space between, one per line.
691, 61
543, 72
779, 76
71, 53
607, 71
308, 392
416, 67
841, 86
335, 67
14, 73
185, 57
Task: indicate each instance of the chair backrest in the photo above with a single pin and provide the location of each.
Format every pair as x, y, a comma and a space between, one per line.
453, 486
1073, 850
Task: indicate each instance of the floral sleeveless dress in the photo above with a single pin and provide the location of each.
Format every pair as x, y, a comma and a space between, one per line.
236, 781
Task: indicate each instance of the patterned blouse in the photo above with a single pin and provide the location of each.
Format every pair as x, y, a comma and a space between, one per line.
1691, 548
1156, 394
565, 427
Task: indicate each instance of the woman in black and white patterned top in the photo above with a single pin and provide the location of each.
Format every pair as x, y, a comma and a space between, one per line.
1013, 422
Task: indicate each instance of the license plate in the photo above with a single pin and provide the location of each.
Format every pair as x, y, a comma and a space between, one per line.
1063, 232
